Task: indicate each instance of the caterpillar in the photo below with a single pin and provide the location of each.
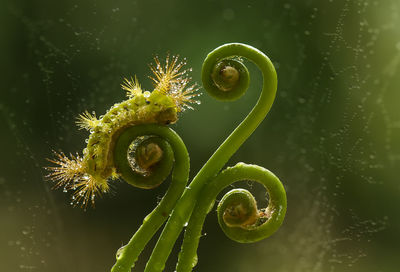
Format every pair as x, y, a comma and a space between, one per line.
89, 175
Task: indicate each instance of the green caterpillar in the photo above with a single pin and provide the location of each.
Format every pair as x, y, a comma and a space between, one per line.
89, 175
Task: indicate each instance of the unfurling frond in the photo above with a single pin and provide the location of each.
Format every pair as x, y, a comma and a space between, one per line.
87, 120
132, 87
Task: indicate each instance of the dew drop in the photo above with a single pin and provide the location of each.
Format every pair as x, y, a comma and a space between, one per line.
194, 261
146, 219
119, 252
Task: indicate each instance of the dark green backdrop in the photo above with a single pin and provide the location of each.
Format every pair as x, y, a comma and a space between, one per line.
332, 136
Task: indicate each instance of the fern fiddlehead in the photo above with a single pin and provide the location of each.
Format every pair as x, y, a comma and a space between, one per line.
169, 141
238, 214
135, 126
156, 147
222, 67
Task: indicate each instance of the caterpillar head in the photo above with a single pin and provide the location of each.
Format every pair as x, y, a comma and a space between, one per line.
172, 88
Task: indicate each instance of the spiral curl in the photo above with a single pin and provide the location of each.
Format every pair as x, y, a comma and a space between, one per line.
175, 157
158, 150
255, 226
152, 161
89, 175
238, 208
229, 79
224, 77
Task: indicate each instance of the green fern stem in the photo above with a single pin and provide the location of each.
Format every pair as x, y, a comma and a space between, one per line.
265, 223
219, 80
173, 150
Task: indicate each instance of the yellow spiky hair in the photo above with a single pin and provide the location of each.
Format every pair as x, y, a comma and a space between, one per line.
132, 87
86, 189
67, 170
173, 81
87, 120
70, 174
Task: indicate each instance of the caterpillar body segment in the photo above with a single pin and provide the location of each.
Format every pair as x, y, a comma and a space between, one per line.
88, 175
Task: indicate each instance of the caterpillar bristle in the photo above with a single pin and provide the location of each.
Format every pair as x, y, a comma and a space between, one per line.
184, 96
87, 188
167, 75
171, 80
70, 174
87, 120
66, 171
132, 87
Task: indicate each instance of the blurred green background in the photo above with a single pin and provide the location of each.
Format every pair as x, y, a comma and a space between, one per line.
332, 136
